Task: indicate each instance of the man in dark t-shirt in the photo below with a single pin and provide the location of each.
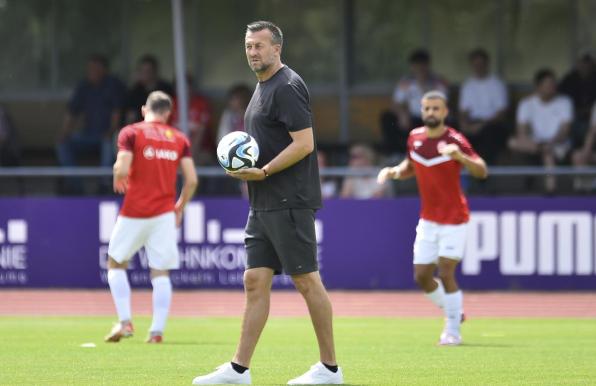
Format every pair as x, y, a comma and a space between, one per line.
148, 80
284, 193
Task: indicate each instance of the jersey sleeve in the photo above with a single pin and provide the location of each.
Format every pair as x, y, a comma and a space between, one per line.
400, 94
75, 104
409, 146
465, 146
126, 139
523, 112
465, 99
185, 151
567, 115
293, 108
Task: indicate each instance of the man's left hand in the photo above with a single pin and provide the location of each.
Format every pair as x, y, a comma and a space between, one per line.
453, 151
249, 174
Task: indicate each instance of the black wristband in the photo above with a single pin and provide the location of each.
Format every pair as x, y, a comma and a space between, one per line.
265, 172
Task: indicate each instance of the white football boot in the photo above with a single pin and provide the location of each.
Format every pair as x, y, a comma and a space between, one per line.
319, 375
448, 339
224, 375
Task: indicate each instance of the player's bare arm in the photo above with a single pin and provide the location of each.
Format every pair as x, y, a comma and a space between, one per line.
475, 165
191, 181
303, 144
121, 169
404, 170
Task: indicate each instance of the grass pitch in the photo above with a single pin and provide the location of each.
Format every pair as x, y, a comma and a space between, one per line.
372, 351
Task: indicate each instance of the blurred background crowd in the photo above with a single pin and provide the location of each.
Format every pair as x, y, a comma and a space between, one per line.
520, 78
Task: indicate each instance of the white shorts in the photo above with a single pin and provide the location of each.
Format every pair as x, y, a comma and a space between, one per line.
435, 240
157, 234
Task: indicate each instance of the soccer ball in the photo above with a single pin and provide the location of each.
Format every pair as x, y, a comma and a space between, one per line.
237, 150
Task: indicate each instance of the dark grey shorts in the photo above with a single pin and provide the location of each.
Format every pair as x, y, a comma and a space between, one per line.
283, 240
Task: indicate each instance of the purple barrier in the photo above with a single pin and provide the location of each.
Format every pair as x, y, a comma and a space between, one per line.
513, 243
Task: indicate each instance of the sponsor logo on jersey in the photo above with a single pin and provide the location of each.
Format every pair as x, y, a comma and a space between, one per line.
150, 153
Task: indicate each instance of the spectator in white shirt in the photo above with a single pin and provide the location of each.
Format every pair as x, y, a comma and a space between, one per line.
406, 112
482, 108
362, 156
543, 123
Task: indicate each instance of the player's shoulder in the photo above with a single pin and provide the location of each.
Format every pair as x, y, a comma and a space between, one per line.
528, 101
456, 135
417, 132
131, 128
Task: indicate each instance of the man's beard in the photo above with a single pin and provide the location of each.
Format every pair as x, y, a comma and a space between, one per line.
260, 67
432, 123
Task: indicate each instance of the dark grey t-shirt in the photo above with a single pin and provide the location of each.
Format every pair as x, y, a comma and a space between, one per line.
280, 105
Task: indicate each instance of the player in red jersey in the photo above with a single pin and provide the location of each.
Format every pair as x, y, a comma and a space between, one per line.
149, 154
436, 155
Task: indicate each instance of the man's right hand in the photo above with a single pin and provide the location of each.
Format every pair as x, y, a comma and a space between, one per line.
120, 185
386, 174
179, 212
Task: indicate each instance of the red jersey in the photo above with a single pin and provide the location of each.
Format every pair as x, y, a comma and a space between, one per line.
157, 150
438, 176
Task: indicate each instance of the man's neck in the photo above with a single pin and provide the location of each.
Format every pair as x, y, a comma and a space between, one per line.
546, 99
153, 118
267, 74
435, 132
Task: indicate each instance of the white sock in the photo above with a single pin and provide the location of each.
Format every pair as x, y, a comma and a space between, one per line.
162, 297
453, 310
438, 295
120, 289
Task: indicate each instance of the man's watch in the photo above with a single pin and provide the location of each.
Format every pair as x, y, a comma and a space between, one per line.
265, 172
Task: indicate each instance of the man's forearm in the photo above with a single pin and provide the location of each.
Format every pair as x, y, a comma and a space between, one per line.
475, 166
293, 153
187, 192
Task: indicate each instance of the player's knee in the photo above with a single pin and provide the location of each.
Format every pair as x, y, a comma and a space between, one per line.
447, 276
113, 264
422, 279
304, 283
253, 281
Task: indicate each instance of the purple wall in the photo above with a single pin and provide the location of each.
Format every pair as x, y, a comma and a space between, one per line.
513, 243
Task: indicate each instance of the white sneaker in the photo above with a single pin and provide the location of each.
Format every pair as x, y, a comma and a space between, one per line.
319, 375
224, 375
448, 339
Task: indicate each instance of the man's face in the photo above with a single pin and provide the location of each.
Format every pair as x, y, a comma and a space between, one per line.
479, 66
260, 51
95, 72
547, 88
434, 112
147, 73
420, 69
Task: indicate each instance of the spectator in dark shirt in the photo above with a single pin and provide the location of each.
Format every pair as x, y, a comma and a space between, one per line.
580, 85
148, 80
96, 108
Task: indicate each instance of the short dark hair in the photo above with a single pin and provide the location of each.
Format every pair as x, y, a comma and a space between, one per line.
100, 59
159, 102
150, 60
435, 94
277, 37
419, 56
478, 53
543, 74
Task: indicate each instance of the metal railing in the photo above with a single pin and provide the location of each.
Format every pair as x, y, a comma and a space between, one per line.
215, 171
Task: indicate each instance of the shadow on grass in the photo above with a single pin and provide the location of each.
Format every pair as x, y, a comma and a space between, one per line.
488, 345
